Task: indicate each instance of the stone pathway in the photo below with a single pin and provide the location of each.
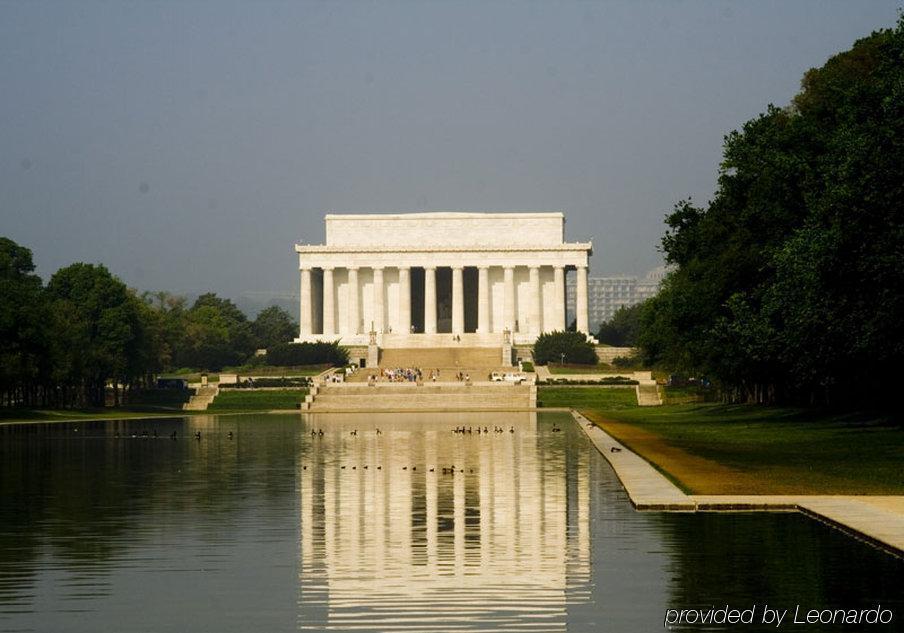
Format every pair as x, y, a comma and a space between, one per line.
647, 488
878, 520
543, 373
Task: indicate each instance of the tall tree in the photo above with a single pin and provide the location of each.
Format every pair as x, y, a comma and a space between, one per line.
217, 334
274, 326
791, 276
96, 327
621, 329
23, 345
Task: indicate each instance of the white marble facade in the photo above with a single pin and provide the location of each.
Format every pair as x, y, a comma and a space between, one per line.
409, 277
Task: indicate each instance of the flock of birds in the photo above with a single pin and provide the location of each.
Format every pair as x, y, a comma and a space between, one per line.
458, 430
461, 430
445, 470
173, 436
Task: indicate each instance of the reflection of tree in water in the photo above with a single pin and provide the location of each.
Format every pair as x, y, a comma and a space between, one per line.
83, 492
775, 558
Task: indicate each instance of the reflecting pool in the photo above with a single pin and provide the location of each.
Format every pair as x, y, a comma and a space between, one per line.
382, 522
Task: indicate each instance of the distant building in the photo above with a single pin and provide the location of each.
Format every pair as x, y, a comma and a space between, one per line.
607, 294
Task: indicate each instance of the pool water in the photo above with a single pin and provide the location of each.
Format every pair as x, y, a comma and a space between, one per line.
383, 522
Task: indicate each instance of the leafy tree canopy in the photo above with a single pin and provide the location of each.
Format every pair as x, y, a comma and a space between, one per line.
274, 326
621, 329
792, 274
549, 348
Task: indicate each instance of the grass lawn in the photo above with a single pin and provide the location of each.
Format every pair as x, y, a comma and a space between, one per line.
748, 449
584, 398
682, 395
191, 376
265, 400
14, 416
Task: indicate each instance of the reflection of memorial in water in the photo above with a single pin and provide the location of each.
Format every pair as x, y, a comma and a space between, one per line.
498, 544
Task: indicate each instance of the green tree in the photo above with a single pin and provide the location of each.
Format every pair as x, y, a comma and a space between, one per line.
791, 277
274, 326
96, 330
217, 334
621, 329
298, 354
23, 314
550, 346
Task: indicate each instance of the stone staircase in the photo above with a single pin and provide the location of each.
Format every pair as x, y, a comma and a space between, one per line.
648, 394
202, 398
442, 357
425, 397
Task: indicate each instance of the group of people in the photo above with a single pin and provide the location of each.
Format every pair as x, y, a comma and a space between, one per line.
410, 374
402, 374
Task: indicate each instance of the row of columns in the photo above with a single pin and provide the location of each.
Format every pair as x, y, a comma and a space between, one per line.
535, 310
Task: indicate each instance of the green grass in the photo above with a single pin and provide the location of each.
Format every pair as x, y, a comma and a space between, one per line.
822, 451
612, 399
770, 449
191, 375
244, 400
683, 395
11, 416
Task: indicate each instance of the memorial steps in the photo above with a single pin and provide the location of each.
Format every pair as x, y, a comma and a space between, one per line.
427, 358
202, 398
453, 396
648, 394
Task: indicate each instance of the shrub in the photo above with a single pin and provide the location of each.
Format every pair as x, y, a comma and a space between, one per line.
259, 383
549, 347
624, 362
295, 354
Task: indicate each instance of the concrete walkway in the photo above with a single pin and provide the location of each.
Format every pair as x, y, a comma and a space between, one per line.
647, 488
878, 520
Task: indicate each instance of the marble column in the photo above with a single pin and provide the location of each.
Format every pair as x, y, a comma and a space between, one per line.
405, 300
354, 310
536, 301
483, 300
458, 302
379, 305
329, 303
430, 300
558, 323
581, 303
508, 315
305, 304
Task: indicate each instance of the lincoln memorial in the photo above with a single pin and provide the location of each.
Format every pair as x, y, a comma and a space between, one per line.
431, 279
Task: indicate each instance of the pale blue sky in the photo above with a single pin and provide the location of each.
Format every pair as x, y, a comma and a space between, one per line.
187, 146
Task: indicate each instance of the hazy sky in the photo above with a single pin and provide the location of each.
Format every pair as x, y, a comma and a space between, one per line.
188, 146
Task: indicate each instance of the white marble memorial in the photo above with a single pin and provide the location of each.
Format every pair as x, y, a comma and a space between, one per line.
410, 277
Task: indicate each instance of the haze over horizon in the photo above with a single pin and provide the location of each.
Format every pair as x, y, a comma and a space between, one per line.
188, 146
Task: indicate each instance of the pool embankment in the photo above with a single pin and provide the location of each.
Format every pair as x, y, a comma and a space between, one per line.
878, 520
647, 488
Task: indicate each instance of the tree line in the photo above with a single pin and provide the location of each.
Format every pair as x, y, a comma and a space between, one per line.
788, 286
62, 344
